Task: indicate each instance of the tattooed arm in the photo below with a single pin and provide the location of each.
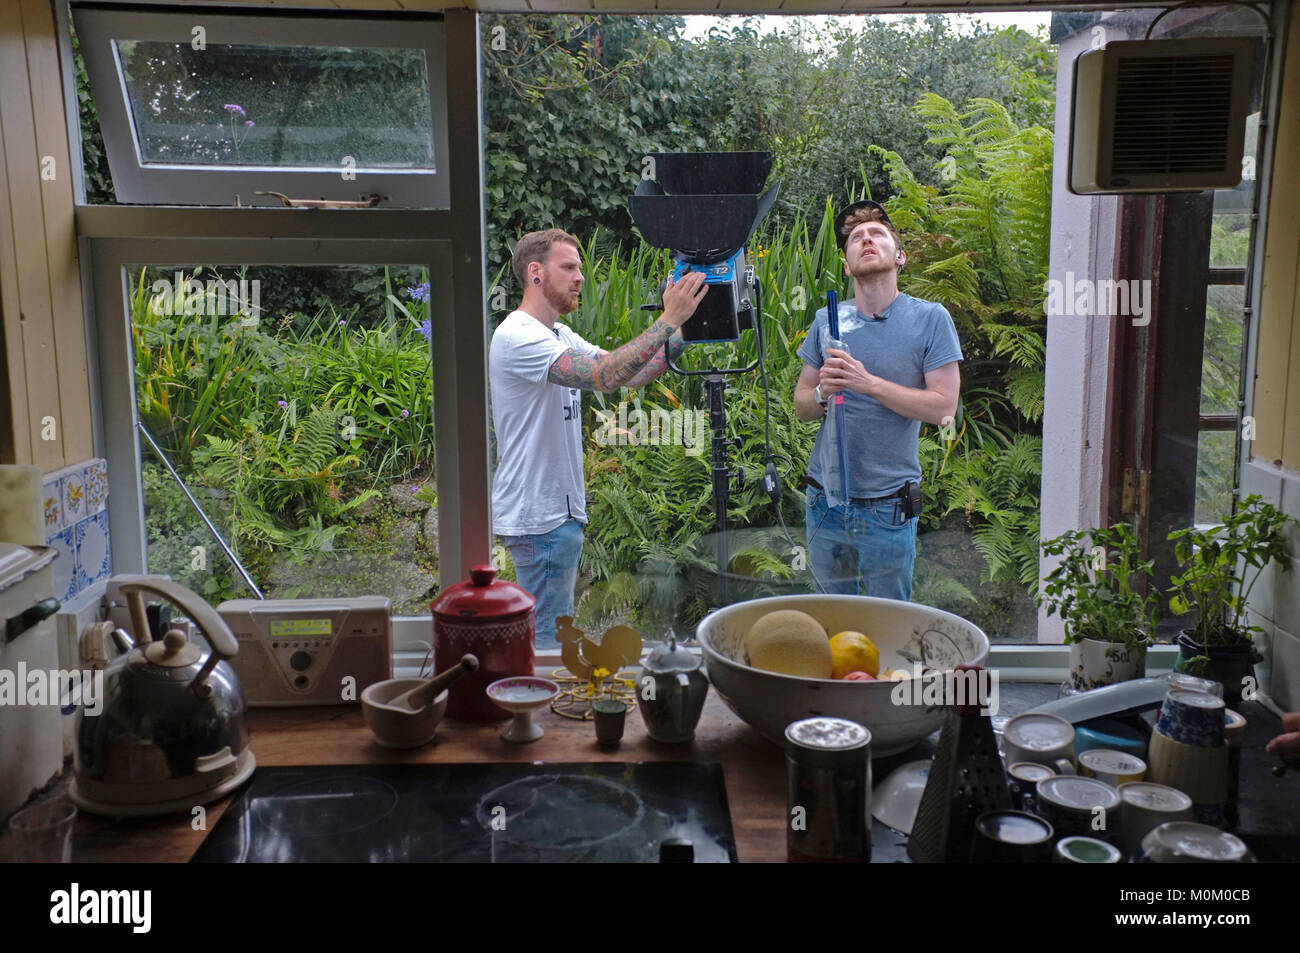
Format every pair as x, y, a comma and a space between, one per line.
657, 364
609, 372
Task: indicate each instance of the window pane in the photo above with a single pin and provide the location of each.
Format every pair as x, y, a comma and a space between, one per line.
278, 106
1214, 452
296, 403
1221, 365
1230, 235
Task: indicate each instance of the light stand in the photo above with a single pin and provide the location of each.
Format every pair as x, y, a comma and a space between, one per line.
704, 207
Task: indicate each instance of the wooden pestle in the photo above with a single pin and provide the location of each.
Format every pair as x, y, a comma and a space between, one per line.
423, 694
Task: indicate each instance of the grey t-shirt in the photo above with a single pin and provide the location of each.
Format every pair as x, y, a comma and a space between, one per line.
915, 336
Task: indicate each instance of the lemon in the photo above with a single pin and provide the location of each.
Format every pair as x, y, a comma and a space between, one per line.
854, 652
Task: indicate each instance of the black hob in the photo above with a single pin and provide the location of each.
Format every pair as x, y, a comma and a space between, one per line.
486, 813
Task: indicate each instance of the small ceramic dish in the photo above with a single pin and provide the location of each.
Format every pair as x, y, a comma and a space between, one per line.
521, 695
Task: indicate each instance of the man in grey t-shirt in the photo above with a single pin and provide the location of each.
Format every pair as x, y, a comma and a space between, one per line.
899, 368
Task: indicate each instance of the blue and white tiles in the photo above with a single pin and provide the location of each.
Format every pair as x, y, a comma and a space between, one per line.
76, 525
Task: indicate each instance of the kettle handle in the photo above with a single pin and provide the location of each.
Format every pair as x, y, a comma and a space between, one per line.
214, 628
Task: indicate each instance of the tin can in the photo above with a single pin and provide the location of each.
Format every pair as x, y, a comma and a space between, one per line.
828, 765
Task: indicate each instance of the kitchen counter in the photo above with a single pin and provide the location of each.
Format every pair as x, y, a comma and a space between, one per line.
754, 771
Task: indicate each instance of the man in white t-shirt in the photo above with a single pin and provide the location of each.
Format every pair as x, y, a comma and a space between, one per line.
537, 368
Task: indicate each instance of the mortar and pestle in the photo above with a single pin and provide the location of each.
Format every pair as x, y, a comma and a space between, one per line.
404, 712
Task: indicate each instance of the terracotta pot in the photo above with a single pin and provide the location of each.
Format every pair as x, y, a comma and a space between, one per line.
1229, 665
1094, 663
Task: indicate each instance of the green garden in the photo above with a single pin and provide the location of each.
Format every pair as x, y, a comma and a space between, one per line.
309, 436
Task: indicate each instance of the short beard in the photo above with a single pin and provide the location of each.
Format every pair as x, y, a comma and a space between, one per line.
562, 302
869, 268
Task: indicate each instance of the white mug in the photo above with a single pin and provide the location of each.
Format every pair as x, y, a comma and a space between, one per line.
1040, 738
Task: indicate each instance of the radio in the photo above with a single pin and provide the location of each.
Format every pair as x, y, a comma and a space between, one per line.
310, 651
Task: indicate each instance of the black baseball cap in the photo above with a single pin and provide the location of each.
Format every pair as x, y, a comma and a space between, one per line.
844, 213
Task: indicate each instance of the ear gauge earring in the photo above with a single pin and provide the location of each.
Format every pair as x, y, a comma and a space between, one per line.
537, 281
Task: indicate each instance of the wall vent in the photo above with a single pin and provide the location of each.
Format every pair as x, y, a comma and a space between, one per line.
1160, 116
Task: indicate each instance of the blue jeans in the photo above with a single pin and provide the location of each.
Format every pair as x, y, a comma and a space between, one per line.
547, 566
862, 548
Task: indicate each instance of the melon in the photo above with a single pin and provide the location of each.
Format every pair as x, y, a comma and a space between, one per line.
791, 643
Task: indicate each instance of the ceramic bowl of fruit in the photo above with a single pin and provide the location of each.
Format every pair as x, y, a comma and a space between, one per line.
777, 660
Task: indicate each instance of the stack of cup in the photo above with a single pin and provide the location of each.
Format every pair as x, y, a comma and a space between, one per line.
1188, 751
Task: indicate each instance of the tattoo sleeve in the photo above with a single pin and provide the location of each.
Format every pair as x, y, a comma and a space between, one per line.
612, 371
657, 364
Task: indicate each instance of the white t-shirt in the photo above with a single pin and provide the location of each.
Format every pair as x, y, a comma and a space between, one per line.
539, 481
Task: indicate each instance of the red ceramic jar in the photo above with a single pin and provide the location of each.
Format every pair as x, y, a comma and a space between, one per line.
494, 621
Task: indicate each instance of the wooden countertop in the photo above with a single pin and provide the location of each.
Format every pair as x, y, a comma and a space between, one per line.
754, 770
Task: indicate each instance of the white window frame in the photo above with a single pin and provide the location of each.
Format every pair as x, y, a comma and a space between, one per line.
149, 183
449, 242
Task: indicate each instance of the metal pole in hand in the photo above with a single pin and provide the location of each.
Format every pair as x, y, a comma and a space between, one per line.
833, 325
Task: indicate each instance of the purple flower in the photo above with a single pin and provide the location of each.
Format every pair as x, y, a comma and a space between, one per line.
249, 122
235, 108
342, 321
419, 292
283, 403
426, 329
405, 414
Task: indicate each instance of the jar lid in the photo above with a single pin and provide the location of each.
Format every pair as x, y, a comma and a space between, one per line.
827, 734
482, 597
670, 657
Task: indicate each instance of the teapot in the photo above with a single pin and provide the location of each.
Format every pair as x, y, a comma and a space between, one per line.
671, 691
171, 731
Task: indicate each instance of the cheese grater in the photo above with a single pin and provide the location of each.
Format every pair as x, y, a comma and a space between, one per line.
966, 779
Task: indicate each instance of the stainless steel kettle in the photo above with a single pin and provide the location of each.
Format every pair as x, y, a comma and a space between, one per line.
671, 692
171, 733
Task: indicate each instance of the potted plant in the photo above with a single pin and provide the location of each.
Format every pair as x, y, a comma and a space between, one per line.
1109, 615
1215, 564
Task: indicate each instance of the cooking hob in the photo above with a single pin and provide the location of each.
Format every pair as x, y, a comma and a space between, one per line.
494, 813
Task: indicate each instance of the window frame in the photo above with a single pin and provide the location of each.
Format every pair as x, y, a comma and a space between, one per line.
141, 183
451, 241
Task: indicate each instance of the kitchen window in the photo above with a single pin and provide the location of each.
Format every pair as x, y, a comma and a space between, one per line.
420, 237
199, 108
359, 309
